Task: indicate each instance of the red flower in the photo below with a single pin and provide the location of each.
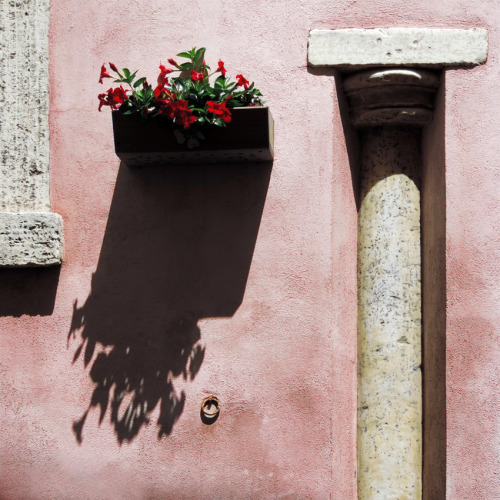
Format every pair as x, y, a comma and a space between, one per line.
185, 118
162, 80
219, 109
221, 68
104, 74
195, 76
182, 105
162, 77
119, 96
102, 101
163, 94
177, 111
173, 63
113, 67
167, 108
113, 98
242, 81
164, 71
158, 91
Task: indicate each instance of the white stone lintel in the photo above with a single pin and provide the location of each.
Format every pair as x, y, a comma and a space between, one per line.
30, 239
360, 48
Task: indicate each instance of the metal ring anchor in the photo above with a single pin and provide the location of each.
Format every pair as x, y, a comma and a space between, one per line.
210, 408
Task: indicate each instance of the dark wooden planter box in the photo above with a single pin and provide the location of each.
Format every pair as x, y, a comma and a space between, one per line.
248, 138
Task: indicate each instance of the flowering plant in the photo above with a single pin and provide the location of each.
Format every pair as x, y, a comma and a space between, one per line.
188, 100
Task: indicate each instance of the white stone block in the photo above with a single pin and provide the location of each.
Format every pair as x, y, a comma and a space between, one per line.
355, 48
30, 239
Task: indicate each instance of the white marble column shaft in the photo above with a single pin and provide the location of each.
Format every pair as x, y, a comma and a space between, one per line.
389, 317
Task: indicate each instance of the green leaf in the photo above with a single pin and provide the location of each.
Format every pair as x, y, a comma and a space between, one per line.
198, 58
126, 72
139, 82
199, 54
186, 55
219, 82
186, 66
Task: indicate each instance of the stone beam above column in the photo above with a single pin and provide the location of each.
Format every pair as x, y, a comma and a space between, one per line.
353, 49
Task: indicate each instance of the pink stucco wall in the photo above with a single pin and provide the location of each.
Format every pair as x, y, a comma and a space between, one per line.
251, 269
473, 268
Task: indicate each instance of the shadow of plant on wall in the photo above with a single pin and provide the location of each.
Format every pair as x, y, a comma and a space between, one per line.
177, 248
134, 377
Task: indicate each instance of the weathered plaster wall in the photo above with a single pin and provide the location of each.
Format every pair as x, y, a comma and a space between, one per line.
159, 262
473, 291
255, 269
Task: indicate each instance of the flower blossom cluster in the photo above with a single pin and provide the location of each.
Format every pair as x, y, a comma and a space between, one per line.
183, 93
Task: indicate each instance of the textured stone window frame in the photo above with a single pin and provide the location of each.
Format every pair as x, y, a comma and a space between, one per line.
30, 235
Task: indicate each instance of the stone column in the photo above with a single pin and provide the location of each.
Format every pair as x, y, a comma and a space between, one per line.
390, 105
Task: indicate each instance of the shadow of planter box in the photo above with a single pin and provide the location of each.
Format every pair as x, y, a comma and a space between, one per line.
248, 138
